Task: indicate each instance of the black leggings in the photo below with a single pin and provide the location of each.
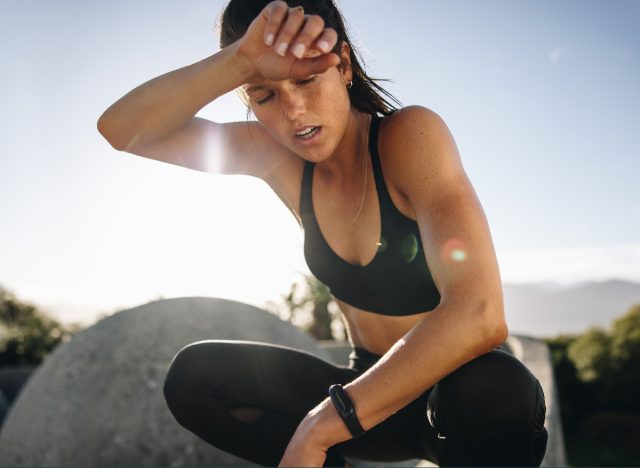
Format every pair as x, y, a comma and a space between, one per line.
489, 411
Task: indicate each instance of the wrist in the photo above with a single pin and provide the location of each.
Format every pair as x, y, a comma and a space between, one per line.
345, 409
243, 66
325, 426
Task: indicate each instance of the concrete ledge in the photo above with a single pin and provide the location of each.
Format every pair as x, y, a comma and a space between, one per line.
534, 354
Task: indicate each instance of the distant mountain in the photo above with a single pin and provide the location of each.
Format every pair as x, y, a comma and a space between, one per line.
548, 309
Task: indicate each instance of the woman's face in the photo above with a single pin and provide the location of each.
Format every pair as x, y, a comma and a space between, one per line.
319, 103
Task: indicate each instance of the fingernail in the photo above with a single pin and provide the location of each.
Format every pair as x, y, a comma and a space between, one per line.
269, 39
298, 50
282, 48
324, 46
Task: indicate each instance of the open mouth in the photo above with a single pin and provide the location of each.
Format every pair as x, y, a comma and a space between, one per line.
307, 133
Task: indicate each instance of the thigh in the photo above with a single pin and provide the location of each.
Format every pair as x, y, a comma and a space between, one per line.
208, 379
287, 380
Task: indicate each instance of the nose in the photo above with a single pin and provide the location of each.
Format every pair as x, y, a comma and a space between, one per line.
294, 105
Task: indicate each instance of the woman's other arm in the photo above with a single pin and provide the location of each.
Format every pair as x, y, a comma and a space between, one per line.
469, 321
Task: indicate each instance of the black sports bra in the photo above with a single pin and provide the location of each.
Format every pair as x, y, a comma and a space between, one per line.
397, 281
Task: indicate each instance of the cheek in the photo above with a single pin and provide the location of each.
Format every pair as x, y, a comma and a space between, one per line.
333, 97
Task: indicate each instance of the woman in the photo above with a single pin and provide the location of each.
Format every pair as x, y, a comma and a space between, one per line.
392, 226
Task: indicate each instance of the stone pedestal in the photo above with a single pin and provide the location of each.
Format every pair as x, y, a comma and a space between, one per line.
97, 400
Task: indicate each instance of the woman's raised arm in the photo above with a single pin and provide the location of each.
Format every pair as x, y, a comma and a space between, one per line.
157, 119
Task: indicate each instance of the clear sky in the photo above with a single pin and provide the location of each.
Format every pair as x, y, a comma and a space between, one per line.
542, 98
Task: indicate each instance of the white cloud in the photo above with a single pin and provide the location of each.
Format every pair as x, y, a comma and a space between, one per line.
572, 264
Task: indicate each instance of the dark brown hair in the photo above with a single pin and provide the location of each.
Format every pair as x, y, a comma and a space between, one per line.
365, 94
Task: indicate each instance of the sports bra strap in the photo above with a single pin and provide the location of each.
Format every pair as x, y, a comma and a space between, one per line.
386, 204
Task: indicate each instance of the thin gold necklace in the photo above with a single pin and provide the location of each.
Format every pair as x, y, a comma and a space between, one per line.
364, 188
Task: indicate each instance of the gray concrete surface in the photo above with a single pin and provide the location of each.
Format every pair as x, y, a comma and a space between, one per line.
97, 400
534, 353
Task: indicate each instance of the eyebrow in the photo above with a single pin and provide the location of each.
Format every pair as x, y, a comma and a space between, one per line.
253, 88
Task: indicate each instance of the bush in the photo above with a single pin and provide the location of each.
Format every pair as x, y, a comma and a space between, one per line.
27, 335
597, 373
591, 355
309, 306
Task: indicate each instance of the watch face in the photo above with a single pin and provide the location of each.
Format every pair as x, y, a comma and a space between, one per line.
341, 404
338, 401
345, 409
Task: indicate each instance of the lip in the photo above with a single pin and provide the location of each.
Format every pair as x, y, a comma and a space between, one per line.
309, 141
300, 129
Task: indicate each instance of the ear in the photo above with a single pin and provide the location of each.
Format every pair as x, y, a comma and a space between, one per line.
345, 62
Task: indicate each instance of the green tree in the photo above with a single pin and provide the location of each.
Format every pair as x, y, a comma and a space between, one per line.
623, 388
598, 381
310, 307
27, 334
591, 355
598, 370
625, 340
576, 397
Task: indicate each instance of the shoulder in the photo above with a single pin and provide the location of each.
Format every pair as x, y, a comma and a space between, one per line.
418, 148
412, 117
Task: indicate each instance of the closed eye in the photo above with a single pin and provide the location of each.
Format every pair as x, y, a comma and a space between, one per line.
308, 80
301, 82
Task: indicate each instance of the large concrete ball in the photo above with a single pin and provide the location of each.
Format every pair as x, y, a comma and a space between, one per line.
97, 400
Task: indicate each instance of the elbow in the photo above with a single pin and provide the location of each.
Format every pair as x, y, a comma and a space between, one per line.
106, 129
494, 324
499, 336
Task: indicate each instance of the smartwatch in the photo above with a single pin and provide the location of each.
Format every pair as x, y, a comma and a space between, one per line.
345, 409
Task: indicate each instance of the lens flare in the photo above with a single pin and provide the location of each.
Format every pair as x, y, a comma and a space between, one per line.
409, 248
458, 255
454, 250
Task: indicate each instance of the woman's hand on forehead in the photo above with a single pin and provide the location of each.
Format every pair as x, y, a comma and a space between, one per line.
290, 30
285, 43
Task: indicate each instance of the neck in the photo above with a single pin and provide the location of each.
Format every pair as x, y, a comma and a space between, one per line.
346, 163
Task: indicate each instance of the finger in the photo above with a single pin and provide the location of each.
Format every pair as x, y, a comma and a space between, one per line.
327, 40
275, 14
313, 27
295, 20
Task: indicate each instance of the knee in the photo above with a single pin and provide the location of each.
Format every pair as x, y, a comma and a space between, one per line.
491, 411
492, 391
183, 377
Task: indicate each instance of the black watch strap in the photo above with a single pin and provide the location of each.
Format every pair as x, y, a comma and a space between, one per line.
344, 407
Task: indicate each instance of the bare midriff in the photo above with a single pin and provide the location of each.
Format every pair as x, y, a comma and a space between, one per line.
376, 333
